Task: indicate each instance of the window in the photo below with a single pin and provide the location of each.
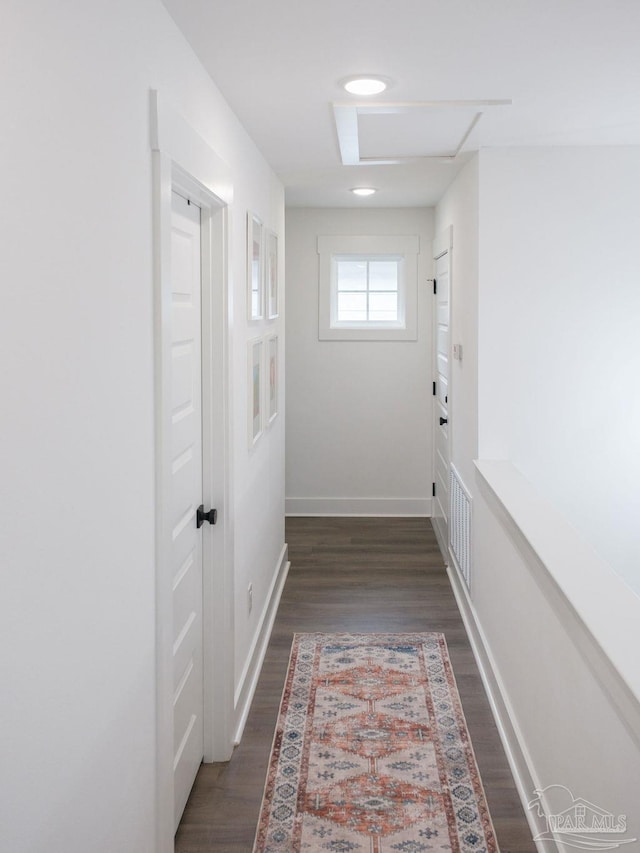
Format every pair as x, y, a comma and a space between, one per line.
368, 288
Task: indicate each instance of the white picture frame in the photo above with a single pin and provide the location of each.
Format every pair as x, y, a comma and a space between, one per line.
271, 263
271, 379
255, 267
255, 395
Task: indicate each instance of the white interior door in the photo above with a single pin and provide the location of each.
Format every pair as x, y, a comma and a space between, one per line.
185, 496
441, 460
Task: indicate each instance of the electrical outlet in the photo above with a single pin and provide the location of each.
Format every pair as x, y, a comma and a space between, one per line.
250, 596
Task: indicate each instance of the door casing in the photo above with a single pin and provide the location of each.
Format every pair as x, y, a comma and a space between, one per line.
442, 246
183, 162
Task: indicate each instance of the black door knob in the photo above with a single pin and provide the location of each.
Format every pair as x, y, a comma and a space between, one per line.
444, 421
202, 516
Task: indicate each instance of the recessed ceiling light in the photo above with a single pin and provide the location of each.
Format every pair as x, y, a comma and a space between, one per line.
365, 85
363, 191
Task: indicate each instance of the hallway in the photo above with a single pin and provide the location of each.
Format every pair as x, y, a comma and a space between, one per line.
247, 109
356, 575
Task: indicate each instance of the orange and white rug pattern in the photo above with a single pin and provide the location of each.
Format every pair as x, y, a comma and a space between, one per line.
371, 752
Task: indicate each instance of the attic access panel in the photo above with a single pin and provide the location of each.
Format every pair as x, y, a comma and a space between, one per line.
433, 132
391, 133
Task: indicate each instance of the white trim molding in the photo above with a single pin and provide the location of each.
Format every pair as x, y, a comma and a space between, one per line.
250, 674
401, 507
172, 135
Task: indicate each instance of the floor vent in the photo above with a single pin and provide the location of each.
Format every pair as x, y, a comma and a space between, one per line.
460, 525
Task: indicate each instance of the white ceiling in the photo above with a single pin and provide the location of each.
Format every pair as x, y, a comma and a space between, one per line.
570, 67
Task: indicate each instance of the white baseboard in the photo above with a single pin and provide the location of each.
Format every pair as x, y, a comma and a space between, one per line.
251, 671
403, 507
510, 735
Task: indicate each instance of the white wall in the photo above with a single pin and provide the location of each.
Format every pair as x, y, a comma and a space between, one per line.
577, 722
259, 473
358, 412
459, 208
77, 454
546, 262
559, 345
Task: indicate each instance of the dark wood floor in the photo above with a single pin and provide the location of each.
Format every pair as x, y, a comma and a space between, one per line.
350, 574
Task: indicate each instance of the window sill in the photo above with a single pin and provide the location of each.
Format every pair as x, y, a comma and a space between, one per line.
364, 333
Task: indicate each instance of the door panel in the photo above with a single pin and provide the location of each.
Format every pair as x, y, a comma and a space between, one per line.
442, 366
442, 390
185, 496
442, 342
442, 456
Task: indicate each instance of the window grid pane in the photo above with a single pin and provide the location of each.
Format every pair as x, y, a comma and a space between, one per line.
383, 275
367, 291
352, 275
350, 301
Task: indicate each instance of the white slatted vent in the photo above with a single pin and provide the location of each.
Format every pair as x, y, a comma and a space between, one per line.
460, 525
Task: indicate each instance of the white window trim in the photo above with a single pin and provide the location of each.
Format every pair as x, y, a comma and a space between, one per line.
332, 247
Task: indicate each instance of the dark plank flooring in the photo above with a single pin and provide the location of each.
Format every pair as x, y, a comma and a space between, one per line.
350, 574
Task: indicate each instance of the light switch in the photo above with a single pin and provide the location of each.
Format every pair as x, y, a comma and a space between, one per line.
457, 351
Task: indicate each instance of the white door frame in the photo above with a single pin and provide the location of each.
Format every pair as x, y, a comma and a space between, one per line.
442, 245
183, 161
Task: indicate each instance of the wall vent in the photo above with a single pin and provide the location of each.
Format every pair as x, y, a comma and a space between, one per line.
460, 526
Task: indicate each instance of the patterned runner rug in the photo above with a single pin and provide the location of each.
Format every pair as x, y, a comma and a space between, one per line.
371, 752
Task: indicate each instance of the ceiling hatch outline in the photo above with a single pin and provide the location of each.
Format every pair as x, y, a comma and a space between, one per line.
457, 120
